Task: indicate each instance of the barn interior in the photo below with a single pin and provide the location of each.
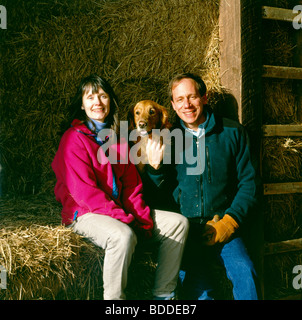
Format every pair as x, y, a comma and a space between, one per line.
248, 53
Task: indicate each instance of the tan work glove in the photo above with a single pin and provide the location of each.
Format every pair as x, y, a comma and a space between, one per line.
219, 231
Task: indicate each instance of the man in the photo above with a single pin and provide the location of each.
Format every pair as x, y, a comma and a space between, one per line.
217, 198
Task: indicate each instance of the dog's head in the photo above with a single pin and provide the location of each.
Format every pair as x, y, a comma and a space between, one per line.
147, 115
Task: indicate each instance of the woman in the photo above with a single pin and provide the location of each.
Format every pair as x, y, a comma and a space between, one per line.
103, 201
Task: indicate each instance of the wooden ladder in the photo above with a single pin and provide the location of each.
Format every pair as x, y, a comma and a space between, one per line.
281, 72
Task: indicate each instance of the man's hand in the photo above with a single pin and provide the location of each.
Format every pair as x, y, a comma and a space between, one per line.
219, 231
155, 152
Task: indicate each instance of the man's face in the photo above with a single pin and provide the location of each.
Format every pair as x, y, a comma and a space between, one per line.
188, 103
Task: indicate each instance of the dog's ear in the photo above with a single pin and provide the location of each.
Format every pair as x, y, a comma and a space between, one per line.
130, 119
164, 118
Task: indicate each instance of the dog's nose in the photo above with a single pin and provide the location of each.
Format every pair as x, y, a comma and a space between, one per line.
142, 124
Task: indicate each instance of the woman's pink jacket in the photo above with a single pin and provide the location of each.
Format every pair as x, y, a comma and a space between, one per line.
85, 180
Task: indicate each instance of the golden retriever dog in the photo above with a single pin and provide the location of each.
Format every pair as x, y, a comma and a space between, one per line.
145, 116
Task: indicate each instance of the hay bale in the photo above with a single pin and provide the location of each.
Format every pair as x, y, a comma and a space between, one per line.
279, 102
278, 275
155, 38
43, 259
141, 273
282, 159
136, 45
282, 217
278, 43
279, 96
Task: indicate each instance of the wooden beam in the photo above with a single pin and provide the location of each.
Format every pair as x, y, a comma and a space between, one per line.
282, 188
292, 297
283, 246
282, 130
280, 14
297, 62
282, 72
230, 50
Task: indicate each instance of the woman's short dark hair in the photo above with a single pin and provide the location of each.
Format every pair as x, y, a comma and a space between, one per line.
95, 82
200, 85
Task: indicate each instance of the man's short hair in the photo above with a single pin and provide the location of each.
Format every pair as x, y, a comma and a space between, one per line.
200, 85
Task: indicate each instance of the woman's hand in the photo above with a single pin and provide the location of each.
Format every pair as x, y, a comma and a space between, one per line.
155, 152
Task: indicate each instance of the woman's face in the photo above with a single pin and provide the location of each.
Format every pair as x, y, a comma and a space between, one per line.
96, 105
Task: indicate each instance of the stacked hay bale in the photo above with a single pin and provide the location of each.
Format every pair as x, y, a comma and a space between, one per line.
46, 50
43, 259
136, 45
282, 156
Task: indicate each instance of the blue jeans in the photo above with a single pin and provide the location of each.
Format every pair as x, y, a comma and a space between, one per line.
196, 276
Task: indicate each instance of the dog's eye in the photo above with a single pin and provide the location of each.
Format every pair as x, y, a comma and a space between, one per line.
151, 111
137, 112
